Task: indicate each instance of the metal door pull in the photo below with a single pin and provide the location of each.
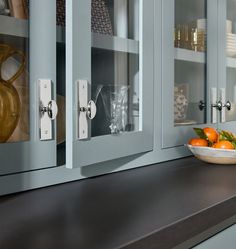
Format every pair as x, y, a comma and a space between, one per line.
86, 109
218, 105
48, 109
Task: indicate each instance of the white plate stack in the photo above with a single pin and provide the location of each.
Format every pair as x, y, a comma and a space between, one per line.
230, 40
201, 24
231, 44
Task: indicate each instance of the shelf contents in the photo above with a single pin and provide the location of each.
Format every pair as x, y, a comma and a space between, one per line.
4, 10
61, 13
10, 101
101, 21
113, 106
231, 44
180, 103
191, 36
18, 8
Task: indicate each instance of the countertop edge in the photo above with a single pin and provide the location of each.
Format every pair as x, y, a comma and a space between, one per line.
208, 222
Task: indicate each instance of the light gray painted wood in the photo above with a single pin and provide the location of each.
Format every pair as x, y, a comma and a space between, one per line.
226, 75
103, 148
34, 154
225, 239
57, 175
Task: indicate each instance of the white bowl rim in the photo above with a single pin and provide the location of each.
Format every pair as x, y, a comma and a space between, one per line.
209, 148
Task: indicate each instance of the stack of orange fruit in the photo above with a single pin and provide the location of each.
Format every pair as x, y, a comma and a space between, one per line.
210, 137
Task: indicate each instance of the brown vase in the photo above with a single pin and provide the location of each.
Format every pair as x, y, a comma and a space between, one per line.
10, 105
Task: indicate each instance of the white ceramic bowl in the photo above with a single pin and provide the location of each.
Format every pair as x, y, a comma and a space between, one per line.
211, 155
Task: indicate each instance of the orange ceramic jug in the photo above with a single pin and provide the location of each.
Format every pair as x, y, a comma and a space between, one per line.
10, 105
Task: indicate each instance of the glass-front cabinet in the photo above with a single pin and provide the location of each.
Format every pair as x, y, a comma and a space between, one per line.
109, 86
199, 55
227, 63
76, 82
190, 68
27, 56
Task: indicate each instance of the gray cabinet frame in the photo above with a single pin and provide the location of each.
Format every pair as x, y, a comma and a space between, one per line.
56, 175
35, 154
78, 67
177, 136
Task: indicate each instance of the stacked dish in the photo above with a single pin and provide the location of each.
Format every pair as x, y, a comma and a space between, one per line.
231, 44
201, 25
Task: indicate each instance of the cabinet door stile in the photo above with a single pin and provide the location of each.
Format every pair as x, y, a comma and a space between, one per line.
108, 62
226, 63
189, 68
24, 150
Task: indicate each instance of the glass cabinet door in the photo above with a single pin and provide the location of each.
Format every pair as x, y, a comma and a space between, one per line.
109, 87
24, 61
190, 68
227, 61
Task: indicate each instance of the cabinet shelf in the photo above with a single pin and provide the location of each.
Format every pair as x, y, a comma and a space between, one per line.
115, 43
106, 42
13, 26
19, 28
189, 55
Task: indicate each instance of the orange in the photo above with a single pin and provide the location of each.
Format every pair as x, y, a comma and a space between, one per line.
198, 142
211, 134
223, 145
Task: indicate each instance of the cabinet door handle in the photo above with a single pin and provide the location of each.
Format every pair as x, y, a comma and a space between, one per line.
214, 105
201, 105
87, 109
228, 105
222, 99
90, 110
48, 109
218, 105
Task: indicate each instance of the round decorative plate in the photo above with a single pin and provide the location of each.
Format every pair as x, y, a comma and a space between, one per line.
211, 155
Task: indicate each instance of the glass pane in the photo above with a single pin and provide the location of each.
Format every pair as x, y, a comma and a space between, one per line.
231, 59
190, 61
14, 78
115, 66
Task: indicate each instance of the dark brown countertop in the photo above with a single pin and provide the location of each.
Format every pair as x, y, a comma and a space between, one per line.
157, 206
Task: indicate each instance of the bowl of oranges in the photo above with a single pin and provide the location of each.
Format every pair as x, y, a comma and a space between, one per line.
212, 146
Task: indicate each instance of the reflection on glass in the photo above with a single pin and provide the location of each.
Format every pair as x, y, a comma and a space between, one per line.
190, 75
115, 66
115, 90
116, 18
230, 94
14, 76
